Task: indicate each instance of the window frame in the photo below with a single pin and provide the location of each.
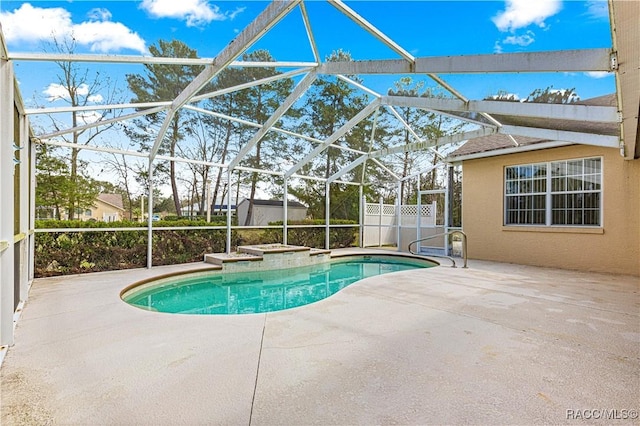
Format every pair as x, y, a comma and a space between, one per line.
549, 193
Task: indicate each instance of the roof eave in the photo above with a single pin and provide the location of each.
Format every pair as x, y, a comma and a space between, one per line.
506, 151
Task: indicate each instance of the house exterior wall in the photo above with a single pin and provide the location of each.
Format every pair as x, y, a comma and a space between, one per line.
101, 209
613, 248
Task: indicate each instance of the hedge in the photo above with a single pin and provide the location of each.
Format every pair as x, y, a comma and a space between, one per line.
62, 253
314, 237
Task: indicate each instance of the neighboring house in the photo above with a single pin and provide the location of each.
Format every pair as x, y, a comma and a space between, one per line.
194, 209
265, 211
190, 210
549, 203
106, 208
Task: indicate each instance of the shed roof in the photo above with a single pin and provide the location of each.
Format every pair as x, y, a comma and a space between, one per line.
275, 203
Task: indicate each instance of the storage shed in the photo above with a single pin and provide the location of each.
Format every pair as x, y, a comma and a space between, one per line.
265, 211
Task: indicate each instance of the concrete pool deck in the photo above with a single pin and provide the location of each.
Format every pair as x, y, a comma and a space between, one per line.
492, 344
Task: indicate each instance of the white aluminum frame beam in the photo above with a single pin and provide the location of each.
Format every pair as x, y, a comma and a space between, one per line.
511, 150
307, 27
444, 140
252, 32
190, 161
364, 113
359, 86
577, 60
422, 171
385, 168
410, 129
102, 122
347, 169
127, 152
625, 33
98, 107
251, 84
91, 148
371, 141
148, 60
297, 92
553, 61
459, 95
274, 129
367, 26
606, 141
7, 167
603, 114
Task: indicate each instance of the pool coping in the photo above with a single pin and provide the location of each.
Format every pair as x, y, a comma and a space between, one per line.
160, 280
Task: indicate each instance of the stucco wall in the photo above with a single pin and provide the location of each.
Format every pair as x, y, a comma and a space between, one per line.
614, 248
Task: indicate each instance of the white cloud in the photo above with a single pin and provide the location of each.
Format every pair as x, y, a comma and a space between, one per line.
96, 99
497, 47
598, 74
89, 117
195, 12
521, 40
236, 12
32, 24
35, 24
108, 36
99, 14
56, 91
598, 9
522, 13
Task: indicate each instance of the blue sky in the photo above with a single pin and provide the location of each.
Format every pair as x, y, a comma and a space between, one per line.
424, 28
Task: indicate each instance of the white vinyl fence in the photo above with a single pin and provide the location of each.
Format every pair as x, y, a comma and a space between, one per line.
381, 222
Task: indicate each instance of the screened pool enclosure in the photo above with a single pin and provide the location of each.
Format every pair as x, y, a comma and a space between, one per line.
384, 149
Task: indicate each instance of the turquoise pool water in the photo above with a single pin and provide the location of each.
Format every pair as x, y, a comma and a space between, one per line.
266, 291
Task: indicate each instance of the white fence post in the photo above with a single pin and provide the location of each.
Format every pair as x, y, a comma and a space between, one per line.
380, 223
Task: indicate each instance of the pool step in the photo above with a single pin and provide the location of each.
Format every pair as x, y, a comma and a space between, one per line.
268, 257
222, 258
436, 251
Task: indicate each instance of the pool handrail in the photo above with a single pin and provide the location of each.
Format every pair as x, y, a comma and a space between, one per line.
456, 231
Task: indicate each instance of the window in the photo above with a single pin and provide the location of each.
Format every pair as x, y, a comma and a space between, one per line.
560, 193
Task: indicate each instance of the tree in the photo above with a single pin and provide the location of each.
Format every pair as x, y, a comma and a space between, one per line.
331, 103
418, 119
119, 164
225, 129
161, 82
548, 95
553, 96
54, 186
257, 104
504, 96
77, 88
428, 126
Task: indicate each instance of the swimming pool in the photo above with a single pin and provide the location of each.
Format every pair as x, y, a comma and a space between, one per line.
215, 293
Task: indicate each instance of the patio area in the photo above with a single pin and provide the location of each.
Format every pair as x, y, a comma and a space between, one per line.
492, 344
